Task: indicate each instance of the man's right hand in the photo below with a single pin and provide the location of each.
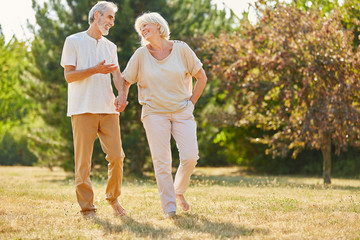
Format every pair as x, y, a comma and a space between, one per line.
73, 75
105, 68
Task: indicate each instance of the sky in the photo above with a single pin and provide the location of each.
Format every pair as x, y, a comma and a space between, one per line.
15, 22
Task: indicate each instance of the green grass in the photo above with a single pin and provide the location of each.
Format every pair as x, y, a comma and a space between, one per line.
226, 203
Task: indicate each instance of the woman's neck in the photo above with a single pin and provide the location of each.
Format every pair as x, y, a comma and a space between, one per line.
161, 45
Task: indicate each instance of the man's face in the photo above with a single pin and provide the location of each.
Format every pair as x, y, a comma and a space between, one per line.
106, 21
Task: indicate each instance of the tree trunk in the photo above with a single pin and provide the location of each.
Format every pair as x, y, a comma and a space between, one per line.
326, 153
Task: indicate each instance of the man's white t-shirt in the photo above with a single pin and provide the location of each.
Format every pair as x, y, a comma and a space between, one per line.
93, 94
163, 86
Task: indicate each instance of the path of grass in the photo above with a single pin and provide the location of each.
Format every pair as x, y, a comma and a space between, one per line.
226, 204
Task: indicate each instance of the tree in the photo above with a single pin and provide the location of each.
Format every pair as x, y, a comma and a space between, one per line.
297, 82
14, 104
191, 18
351, 19
16, 108
350, 10
325, 6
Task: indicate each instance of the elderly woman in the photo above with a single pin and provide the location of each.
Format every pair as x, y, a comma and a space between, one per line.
163, 70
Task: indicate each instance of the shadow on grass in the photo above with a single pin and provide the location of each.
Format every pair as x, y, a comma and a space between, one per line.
262, 181
196, 223
130, 225
189, 222
240, 178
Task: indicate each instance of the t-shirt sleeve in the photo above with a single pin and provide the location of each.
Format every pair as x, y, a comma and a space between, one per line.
68, 56
192, 62
131, 72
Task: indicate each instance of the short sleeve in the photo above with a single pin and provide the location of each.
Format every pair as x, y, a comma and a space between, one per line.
114, 57
192, 62
131, 72
68, 56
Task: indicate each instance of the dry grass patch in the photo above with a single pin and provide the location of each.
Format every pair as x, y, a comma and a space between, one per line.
36, 203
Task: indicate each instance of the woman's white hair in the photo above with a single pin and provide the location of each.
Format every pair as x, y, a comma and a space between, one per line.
154, 18
101, 6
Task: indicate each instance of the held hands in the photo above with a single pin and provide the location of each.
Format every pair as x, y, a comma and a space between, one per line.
120, 104
105, 68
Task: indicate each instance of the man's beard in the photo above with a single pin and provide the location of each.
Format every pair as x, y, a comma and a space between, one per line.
102, 29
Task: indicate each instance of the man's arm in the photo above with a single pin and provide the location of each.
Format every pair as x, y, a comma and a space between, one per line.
199, 86
73, 75
123, 90
117, 79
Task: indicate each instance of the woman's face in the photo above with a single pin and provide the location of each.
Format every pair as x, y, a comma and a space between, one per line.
149, 30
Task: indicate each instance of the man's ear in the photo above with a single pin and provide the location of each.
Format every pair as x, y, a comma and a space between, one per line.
97, 15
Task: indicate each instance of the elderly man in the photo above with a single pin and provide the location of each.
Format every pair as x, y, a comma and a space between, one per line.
88, 59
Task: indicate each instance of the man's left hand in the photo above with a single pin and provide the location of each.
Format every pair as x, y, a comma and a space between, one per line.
120, 104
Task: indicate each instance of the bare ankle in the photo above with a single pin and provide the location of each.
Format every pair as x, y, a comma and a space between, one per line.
119, 210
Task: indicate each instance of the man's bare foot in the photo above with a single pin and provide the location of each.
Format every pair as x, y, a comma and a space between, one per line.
118, 209
183, 203
88, 214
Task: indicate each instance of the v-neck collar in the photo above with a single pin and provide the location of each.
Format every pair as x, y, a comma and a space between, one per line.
166, 58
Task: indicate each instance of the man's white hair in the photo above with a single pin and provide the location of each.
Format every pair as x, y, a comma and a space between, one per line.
155, 18
101, 6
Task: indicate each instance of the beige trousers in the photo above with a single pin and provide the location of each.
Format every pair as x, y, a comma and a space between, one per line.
159, 128
85, 129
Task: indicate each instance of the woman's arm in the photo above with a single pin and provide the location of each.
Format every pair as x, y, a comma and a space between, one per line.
201, 80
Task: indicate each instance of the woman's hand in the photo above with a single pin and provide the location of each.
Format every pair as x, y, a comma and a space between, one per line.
120, 104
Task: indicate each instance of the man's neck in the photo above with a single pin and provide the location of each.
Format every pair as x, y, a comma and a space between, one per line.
94, 32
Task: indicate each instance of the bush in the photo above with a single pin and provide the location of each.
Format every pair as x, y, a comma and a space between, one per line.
15, 152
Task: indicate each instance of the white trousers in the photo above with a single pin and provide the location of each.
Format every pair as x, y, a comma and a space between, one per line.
159, 128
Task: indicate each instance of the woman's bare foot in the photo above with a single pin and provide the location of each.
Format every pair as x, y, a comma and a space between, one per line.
118, 209
170, 214
183, 203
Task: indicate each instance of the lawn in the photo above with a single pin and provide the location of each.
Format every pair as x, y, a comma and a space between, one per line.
226, 203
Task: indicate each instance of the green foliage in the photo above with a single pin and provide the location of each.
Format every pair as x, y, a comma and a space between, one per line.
15, 151
192, 18
351, 19
347, 164
14, 104
18, 110
326, 6
236, 145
